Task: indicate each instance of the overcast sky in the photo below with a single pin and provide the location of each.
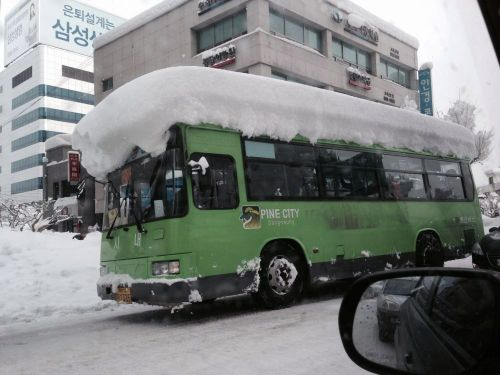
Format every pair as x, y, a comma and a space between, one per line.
452, 36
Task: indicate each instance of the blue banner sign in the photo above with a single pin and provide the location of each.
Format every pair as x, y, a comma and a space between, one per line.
425, 89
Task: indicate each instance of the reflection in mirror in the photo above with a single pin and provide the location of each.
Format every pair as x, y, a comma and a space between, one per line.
431, 324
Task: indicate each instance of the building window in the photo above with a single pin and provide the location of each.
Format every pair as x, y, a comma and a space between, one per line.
46, 113
54, 92
79, 74
222, 31
55, 191
295, 30
284, 77
31, 139
394, 73
21, 77
490, 180
107, 84
26, 185
351, 54
26, 163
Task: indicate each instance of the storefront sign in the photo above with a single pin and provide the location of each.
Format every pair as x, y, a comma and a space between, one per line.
358, 78
425, 90
358, 26
389, 97
206, 5
64, 24
73, 166
394, 53
220, 57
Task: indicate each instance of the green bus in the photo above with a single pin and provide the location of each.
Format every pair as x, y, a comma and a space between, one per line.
219, 214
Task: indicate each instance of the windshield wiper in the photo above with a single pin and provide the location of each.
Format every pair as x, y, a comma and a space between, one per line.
108, 235
138, 224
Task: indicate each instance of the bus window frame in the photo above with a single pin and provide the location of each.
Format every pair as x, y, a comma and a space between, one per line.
235, 172
380, 173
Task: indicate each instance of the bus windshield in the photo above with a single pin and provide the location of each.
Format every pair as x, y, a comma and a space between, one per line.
146, 188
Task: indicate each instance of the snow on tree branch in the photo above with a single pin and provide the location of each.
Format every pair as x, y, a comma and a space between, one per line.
35, 216
464, 113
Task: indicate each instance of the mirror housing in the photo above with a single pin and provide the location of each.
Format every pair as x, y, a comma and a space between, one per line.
358, 290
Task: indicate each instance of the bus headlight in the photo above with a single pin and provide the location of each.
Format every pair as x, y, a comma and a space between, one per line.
171, 267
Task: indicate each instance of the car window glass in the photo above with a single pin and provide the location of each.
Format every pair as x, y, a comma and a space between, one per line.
464, 310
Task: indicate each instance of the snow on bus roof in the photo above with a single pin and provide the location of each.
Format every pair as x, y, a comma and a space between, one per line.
140, 112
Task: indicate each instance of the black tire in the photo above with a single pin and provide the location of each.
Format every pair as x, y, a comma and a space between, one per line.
279, 286
385, 335
429, 251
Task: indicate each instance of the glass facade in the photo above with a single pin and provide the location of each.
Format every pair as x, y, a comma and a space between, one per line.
295, 30
351, 54
26, 163
26, 185
46, 113
53, 92
31, 139
394, 73
222, 31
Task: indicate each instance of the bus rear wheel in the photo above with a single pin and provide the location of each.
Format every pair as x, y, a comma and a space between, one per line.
281, 277
429, 251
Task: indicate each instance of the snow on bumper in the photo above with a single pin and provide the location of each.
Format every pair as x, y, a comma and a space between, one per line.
151, 291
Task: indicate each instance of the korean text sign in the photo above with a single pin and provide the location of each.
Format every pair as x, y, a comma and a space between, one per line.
64, 24
73, 166
425, 89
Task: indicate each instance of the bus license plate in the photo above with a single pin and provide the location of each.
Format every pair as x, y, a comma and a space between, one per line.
123, 295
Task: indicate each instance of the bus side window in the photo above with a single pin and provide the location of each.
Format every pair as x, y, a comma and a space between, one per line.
216, 186
468, 183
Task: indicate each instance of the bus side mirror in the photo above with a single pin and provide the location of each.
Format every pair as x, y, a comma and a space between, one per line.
383, 333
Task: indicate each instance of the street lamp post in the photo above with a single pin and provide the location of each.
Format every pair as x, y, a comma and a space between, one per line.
45, 160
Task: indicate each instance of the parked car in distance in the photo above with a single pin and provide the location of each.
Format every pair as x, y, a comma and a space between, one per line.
394, 294
486, 252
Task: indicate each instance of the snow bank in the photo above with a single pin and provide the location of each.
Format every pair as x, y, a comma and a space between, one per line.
140, 112
46, 274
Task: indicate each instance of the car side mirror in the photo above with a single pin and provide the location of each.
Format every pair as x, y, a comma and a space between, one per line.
426, 320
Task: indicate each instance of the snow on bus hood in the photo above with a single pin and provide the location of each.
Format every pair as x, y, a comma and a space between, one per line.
140, 112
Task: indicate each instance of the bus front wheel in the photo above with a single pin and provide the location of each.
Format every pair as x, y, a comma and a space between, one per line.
429, 251
281, 277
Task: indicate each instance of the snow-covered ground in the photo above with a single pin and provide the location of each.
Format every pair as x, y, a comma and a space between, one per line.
44, 274
51, 321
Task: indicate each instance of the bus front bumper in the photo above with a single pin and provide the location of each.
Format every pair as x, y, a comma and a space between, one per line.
150, 293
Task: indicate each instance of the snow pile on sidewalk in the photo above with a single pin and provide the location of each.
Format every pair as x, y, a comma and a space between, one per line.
140, 112
44, 274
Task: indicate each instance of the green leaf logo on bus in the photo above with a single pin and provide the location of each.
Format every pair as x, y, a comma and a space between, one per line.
250, 217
